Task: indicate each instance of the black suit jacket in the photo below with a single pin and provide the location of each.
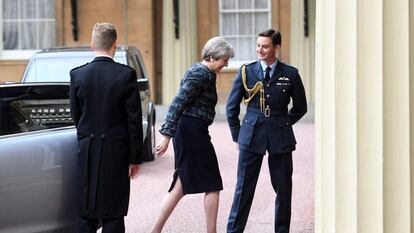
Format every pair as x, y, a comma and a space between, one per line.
258, 133
106, 108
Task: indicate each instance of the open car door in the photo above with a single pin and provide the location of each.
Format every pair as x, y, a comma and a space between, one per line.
37, 159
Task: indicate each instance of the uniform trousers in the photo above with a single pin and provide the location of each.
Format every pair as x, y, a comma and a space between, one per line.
90, 225
281, 169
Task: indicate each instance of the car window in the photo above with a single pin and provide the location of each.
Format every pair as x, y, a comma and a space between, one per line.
56, 69
53, 70
131, 62
34, 108
135, 64
139, 69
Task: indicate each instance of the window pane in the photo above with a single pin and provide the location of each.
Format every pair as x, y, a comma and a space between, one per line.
228, 4
229, 24
246, 49
248, 18
46, 33
46, 9
260, 4
30, 24
27, 9
27, 33
233, 42
261, 21
10, 36
9, 9
245, 4
245, 24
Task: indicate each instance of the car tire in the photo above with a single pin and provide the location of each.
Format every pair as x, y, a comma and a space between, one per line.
149, 142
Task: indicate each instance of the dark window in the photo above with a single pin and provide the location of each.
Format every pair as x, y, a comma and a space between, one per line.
27, 112
134, 63
140, 72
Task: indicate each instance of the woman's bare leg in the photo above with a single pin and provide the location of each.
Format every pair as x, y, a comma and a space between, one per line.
211, 203
168, 204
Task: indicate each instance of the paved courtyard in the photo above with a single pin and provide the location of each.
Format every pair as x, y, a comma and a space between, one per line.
148, 190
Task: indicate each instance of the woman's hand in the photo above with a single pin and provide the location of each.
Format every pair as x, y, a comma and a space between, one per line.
162, 146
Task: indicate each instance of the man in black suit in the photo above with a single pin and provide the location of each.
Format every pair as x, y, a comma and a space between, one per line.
106, 108
267, 87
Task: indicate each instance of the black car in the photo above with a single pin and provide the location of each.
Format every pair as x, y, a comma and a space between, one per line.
53, 65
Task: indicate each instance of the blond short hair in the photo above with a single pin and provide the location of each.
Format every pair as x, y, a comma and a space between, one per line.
103, 36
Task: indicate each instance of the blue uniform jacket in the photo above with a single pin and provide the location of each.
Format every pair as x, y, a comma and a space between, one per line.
258, 133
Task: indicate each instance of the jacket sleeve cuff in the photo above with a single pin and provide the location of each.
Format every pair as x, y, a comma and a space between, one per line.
167, 130
235, 133
135, 156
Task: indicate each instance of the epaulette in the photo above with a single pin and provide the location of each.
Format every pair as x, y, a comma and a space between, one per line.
125, 65
287, 65
251, 63
80, 66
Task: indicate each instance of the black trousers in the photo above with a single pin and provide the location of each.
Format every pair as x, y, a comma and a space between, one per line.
281, 169
90, 225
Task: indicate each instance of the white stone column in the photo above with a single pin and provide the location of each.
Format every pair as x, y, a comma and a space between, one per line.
178, 54
362, 116
325, 122
370, 125
396, 73
411, 55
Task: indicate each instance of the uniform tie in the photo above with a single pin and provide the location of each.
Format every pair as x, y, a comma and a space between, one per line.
267, 75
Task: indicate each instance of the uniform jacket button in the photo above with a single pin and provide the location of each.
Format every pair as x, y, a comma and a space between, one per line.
92, 136
103, 136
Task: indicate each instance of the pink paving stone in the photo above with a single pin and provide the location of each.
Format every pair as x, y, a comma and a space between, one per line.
148, 190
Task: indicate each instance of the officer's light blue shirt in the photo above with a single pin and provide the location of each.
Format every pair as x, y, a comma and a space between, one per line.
265, 65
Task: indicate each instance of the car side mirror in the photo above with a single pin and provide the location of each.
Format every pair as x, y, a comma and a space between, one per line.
143, 84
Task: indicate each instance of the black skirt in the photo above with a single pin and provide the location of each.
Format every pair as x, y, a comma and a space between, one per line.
195, 159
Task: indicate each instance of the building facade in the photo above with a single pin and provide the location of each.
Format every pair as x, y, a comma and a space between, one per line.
28, 26
169, 33
238, 21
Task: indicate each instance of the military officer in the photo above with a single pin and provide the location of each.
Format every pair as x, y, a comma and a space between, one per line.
266, 86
